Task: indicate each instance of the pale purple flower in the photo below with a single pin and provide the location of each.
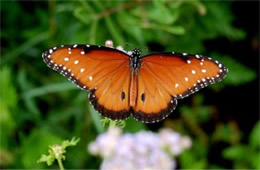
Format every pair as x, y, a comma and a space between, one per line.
142, 150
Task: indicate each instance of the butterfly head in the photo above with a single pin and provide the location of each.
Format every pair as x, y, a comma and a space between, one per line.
135, 59
136, 53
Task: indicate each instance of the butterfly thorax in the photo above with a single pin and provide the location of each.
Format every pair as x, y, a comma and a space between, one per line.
135, 59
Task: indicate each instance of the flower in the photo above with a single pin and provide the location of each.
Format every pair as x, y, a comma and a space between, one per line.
142, 150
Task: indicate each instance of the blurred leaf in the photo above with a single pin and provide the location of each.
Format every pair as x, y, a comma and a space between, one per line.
83, 15
8, 101
24, 47
134, 126
57, 152
124, 19
6, 158
223, 18
95, 116
227, 133
254, 138
238, 74
235, 152
8, 95
255, 160
159, 11
36, 144
114, 31
189, 161
49, 89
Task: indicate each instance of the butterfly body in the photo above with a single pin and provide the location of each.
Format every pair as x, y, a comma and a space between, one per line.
124, 83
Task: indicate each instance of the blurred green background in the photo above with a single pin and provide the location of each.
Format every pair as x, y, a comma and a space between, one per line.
39, 107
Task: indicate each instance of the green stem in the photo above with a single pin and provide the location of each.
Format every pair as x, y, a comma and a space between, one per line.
60, 164
112, 123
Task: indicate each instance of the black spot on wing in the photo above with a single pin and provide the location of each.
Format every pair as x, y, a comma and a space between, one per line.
114, 115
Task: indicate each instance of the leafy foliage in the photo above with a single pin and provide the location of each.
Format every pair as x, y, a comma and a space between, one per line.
57, 152
39, 108
251, 158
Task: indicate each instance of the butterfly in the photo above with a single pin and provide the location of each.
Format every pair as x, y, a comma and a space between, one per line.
123, 83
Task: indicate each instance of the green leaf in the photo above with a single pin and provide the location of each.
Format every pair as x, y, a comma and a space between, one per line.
255, 160
51, 88
114, 31
189, 161
161, 14
124, 19
49, 159
238, 74
83, 15
236, 152
227, 133
68, 143
8, 94
8, 102
254, 138
34, 145
58, 152
24, 47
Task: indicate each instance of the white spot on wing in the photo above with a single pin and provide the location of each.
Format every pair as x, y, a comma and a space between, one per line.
186, 78
203, 70
193, 71
66, 59
188, 61
176, 85
90, 78
50, 51
82, 70
76, 62
82, 52
75, 45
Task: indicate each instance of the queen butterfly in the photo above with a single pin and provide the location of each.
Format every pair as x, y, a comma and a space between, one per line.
122, 83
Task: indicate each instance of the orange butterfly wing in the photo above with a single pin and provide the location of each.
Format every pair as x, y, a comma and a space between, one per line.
164, 78
105, 72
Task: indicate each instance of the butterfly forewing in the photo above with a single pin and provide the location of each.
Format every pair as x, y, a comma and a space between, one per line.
103, 71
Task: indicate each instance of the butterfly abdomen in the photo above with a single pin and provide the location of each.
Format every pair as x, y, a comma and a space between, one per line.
133, 89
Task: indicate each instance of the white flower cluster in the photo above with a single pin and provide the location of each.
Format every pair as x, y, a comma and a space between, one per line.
143, 150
